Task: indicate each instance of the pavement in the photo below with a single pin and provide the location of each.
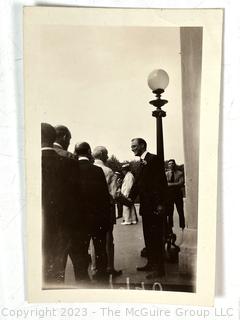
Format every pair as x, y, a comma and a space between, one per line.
129, 242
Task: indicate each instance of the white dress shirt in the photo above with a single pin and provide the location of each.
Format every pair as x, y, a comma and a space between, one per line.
143, 155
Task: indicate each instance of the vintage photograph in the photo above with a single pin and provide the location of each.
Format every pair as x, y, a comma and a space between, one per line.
117, 110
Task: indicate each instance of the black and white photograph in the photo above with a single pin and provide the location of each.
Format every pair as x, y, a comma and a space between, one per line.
116, 105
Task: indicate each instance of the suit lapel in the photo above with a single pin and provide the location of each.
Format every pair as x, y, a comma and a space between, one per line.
142, 167
147, 157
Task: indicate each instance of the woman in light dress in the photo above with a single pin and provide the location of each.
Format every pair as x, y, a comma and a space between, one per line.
129, 213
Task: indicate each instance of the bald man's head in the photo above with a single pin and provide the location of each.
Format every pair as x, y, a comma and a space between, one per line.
100, 153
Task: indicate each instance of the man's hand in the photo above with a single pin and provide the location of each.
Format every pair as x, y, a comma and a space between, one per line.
130, 201
124, 200
160, 210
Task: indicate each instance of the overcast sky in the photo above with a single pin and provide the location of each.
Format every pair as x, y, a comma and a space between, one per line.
94, 80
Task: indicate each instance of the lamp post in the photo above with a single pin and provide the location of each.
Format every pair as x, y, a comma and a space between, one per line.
158, 81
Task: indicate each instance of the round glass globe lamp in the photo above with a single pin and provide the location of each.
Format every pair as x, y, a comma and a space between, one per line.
158, 79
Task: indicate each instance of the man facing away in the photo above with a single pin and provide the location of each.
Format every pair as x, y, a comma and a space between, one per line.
100, 154
93, 219
151, 186
55, 188
61, 144
62, 141
175, 179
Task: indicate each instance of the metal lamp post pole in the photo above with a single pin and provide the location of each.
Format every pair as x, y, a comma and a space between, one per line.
160, 147
159, 114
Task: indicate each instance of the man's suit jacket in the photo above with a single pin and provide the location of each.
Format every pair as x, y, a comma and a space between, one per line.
64, 153
59, 189
93, 197
150, 184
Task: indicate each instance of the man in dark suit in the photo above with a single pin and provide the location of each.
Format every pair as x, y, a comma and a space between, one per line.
151, 186
55, 185
93, 219
175, 180
69, 174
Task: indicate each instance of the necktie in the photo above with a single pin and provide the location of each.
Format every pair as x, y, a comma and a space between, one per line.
140, 168
172, 177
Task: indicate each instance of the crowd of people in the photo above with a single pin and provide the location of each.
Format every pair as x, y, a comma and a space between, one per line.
79, 196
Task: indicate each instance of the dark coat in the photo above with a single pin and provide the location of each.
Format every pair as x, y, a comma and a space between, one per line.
58, 207
59, 188
93, 197
150, 184
53, 177
64, 153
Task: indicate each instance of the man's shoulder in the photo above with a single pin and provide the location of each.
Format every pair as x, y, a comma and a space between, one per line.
64, 153
51, 155
97, 168
60, 151
105, 168
178, 173
152, 158
108, 170
91, 167
51, 159
97, 171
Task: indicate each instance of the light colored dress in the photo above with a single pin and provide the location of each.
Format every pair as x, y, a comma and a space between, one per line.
129, 213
